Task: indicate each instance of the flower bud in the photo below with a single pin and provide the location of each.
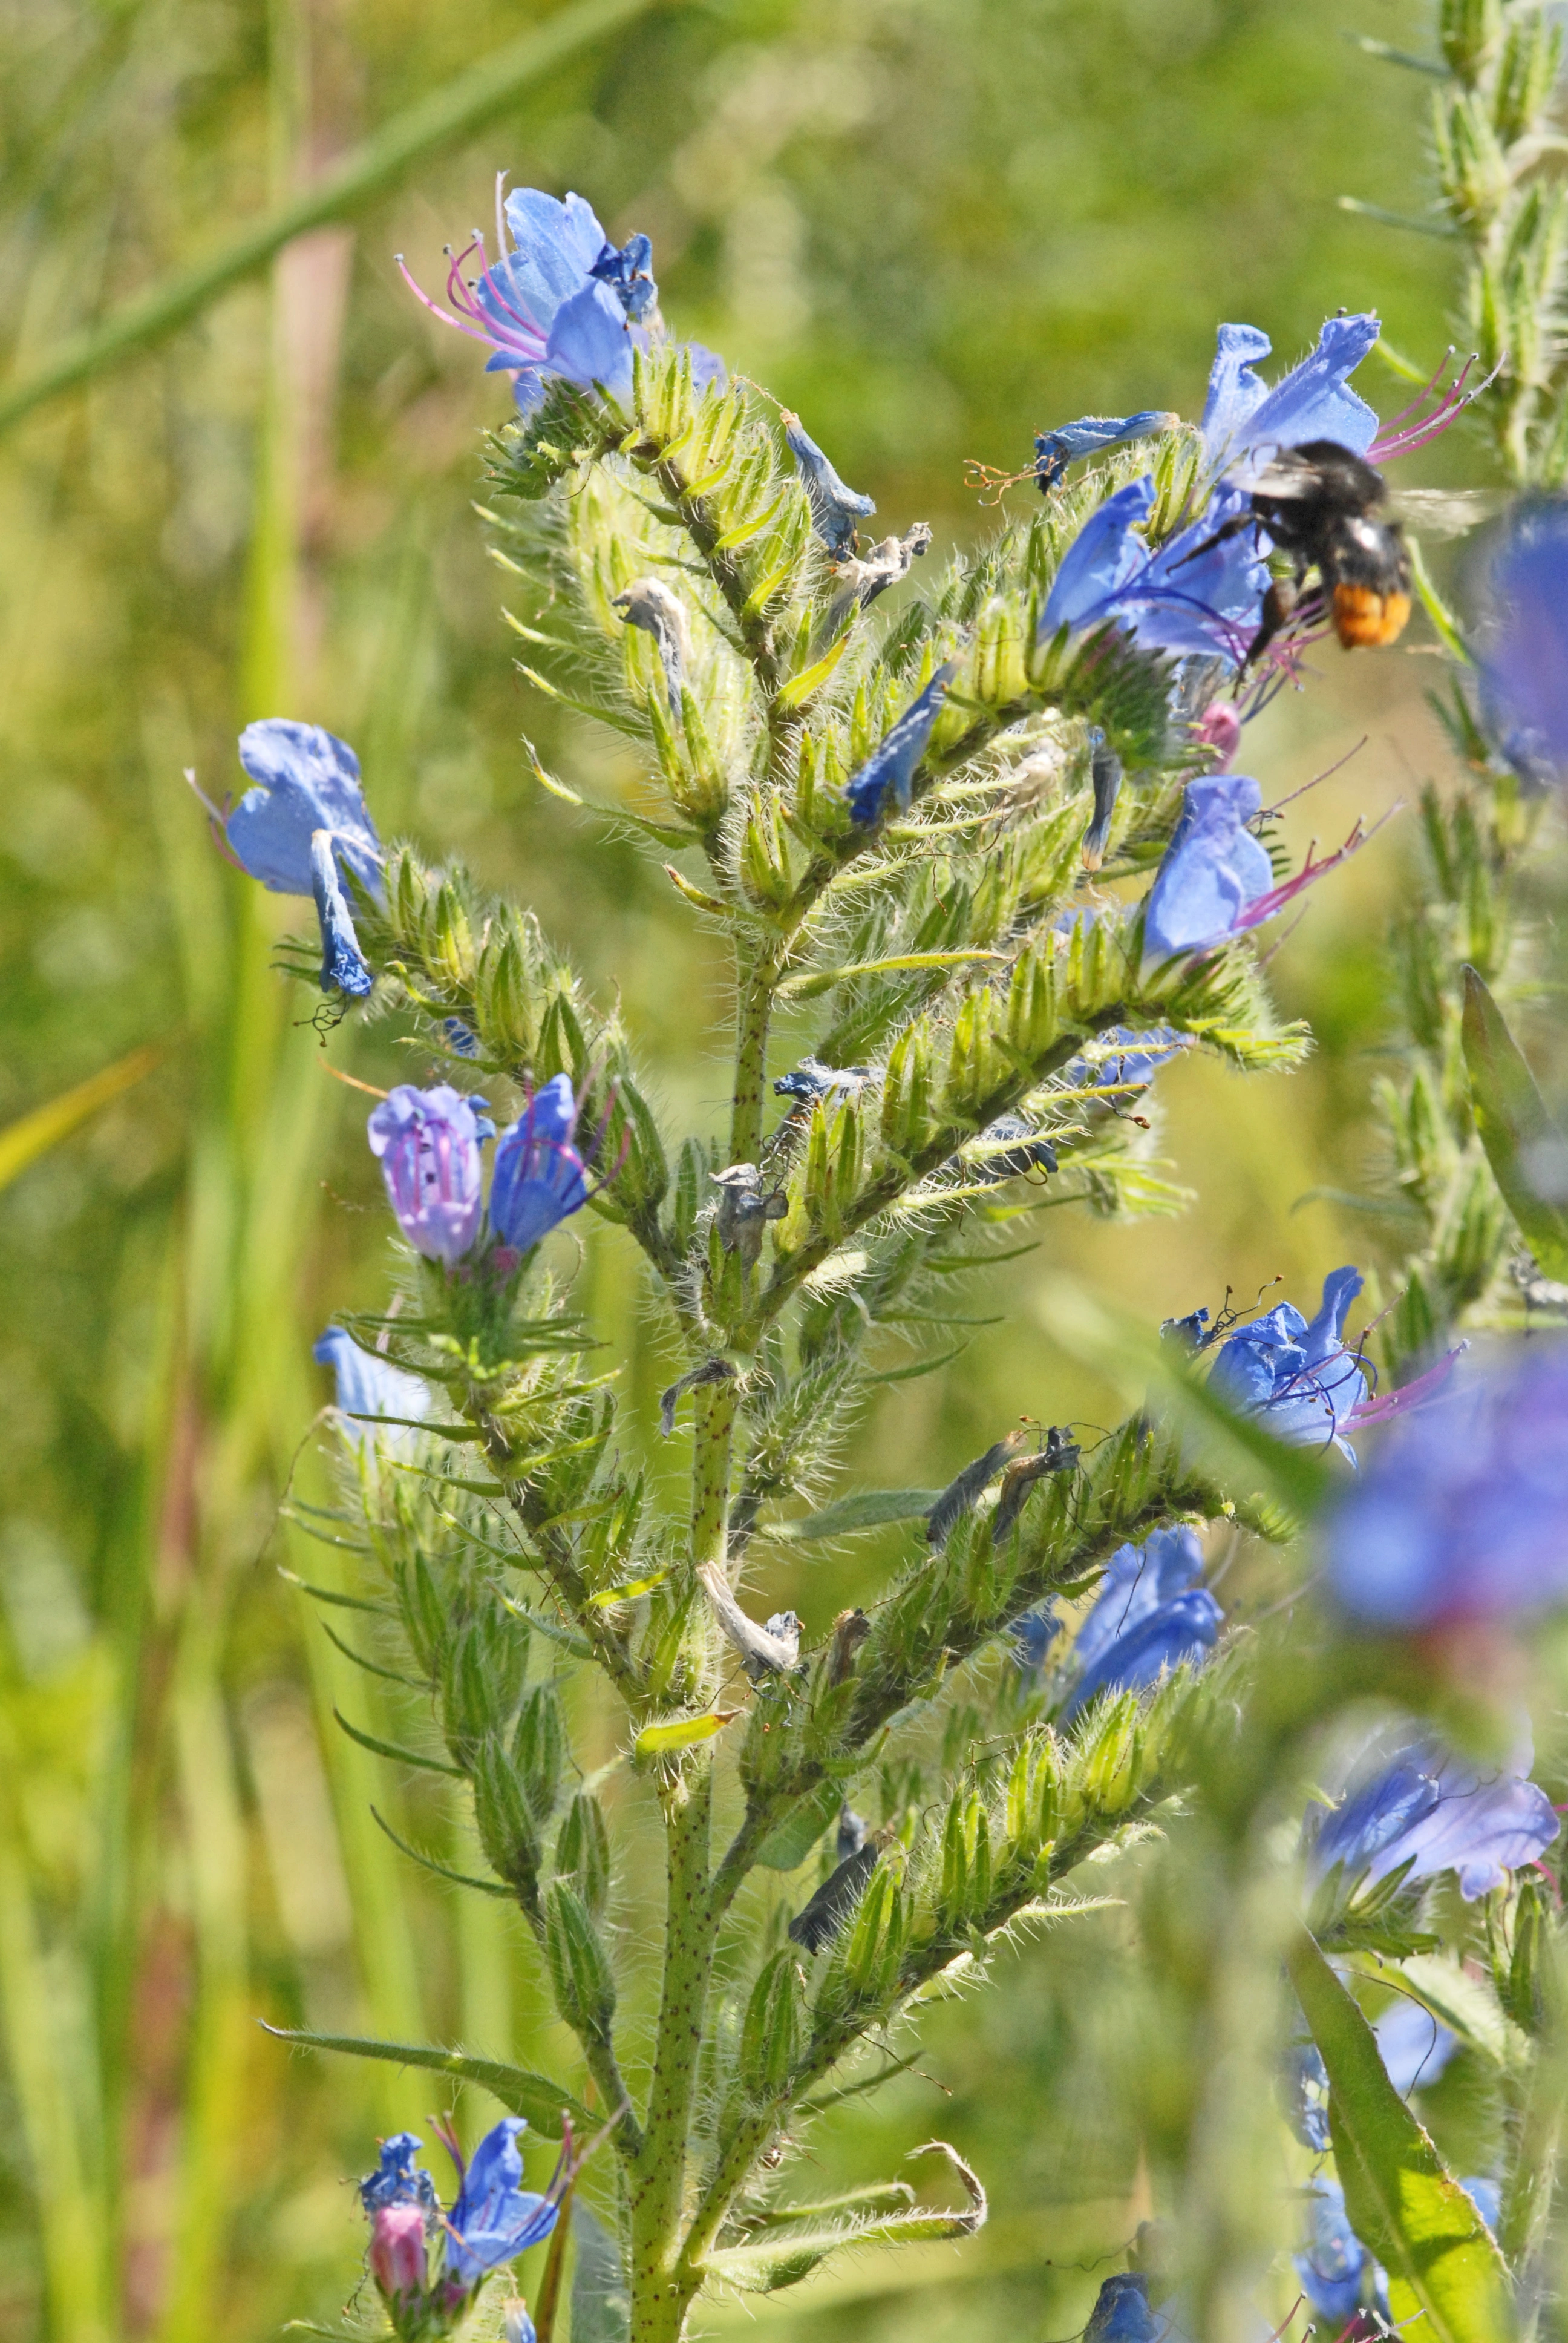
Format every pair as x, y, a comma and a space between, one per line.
771, 2036
582, 1851
580, 1966
397, 2257
516, 2324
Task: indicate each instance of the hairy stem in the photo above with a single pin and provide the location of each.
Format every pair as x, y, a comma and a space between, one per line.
755, 979
661, 2286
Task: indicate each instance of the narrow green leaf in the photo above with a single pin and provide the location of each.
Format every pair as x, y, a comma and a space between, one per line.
921, 1366
393, 1675
534, 2096
33, 1134
771, 2264
805, 987
1516, 1130
1404, 2205
1436, 608
869, 1511
744, 530
441, 1870
390, 1749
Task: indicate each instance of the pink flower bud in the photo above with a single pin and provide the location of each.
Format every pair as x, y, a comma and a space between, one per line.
397, 2261
1220, 728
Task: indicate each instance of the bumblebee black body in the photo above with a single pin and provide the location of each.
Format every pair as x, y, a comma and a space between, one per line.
1320, 504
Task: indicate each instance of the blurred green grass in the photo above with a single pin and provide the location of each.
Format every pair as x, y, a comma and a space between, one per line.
932, 227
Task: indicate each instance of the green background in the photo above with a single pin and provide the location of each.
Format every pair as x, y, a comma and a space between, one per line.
932, 227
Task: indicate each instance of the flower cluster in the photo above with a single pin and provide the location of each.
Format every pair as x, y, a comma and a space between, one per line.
1420, 1811
428, 1143
429, 2264
559, 301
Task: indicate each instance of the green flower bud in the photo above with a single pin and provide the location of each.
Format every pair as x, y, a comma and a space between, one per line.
772, 2035
580, 1966
508, 1831
538, 1748
582, 1851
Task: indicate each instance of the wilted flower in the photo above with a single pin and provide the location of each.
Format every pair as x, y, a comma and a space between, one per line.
835, 508
1105, 777
1423, 1811
560, 299
1294, 1376
1463, 1512
428, 1145
539, 1178
648, 603
892, 763
1524, 644
1091, 436
368, 1384
1149, 1616
300, 827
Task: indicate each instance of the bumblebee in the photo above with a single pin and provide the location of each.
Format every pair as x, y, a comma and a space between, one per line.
1321, 505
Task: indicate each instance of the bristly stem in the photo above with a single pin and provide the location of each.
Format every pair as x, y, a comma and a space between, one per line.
756, 975
661, 2287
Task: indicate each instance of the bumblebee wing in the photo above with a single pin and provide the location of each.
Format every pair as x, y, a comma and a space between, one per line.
1448, 512
1285, 476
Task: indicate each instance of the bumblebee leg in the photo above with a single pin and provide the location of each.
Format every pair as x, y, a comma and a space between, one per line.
1223, 535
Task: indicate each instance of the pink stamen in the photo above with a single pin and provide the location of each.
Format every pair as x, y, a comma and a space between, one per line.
1436, 378
1278, 897
500, 215
1411, 1395
1455, 401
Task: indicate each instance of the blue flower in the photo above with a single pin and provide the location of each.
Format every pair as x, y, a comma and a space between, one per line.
539, 1178
1524, 638
629, 273
1213, 874
1462, 1514
1296, 1378
428, 1145
494, 2220
1149, 1616
368, 1385
1414, 2048
1121, 2313
892, 763
1055, 450
300, 827
1305, 2092
1334, 2267
1243, 419
835, 508
1033, 1635
1423, 1812
559, 300
1187, 596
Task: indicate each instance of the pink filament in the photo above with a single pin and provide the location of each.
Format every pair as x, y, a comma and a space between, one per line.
1399, 1402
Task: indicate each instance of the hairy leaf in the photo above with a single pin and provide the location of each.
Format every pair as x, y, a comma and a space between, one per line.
534, 2097
1518, 1134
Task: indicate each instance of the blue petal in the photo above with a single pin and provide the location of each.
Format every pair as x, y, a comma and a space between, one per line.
591, 344
892, 763
1314, 401
1183, 1629
1100, 560
1340, 1289
1235, 390
368, 1385
556, 245
1055, 450
307, 780
1212, 870
1121, 2313
343, 966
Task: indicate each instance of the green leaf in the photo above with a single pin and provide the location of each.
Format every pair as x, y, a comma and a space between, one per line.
1514, 1123
805, 987
786, 1847
773, 2263
869, 1511
534, 2096
390, 1749
1404, 2204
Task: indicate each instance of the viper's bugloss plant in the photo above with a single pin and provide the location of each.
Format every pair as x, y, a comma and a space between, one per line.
986, 838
